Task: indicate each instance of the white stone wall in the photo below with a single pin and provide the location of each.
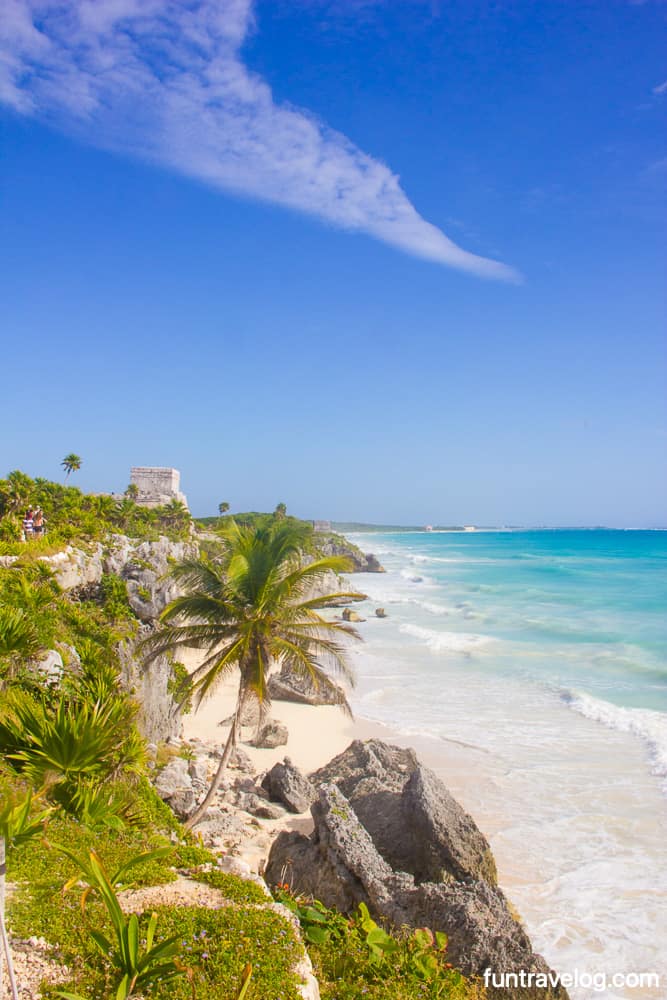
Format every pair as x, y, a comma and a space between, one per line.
157, 485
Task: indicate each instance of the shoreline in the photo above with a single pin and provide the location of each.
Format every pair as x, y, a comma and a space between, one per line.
570, 835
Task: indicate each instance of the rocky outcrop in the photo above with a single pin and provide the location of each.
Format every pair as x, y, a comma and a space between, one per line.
143, 565
288, 686
159, 717
286, 784
73, 567
145, 568
341, 865
362, 562
416, 825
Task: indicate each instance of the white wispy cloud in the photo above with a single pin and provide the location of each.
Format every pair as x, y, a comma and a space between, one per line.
661, 88
165, 80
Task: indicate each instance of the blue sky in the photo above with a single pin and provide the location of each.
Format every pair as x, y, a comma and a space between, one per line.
398, 262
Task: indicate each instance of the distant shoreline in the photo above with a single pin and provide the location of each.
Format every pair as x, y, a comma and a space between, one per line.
345, 527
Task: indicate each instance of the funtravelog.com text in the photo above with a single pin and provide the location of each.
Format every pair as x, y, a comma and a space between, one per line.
600, 982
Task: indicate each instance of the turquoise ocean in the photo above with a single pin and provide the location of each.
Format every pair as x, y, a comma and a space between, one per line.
530, 669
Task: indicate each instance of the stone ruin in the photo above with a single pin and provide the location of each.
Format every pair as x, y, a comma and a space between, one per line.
157, 486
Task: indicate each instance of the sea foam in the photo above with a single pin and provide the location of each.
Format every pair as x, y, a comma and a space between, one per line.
446, 642
649, 726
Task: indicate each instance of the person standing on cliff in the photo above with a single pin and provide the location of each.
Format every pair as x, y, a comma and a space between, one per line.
28, 524
38, 522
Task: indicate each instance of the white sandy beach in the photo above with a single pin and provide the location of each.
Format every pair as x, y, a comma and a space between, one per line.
316, 733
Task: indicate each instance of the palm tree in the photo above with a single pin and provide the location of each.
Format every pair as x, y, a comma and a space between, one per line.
250, 610
71, 463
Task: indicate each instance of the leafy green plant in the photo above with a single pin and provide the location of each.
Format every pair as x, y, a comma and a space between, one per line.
71, 740
356, 957
235, 889
99, 806
89, 866
179, 686
139, 965
380, 944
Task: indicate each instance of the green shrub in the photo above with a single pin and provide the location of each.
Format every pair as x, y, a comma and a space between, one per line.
114, 597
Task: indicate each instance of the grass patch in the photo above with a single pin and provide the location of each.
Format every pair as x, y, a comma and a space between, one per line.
236, 889
218, 943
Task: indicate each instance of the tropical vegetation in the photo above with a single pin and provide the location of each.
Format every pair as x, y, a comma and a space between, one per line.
72, 515
80, 821
255, 606
355, 957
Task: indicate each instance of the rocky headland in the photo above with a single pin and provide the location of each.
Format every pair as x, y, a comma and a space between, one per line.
372, 825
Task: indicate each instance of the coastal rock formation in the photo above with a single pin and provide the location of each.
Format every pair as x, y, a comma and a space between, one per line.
73, 568
288, 686
340, 865
143, 565
362, 562
159, 716
416, 825
145, 568
286, 784
388, 833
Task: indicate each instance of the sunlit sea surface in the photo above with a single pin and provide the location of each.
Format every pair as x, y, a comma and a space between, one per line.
530, 667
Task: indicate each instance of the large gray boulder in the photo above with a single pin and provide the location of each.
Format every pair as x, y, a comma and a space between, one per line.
416, 825
286, 784
272, 734
446, 839
288, 686
340, 865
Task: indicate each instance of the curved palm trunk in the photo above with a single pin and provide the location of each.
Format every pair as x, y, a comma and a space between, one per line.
230, 745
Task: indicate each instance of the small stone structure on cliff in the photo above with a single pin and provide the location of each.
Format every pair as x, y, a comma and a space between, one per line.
156, 485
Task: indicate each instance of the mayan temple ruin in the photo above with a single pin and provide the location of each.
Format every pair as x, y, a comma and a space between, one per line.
157, 486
